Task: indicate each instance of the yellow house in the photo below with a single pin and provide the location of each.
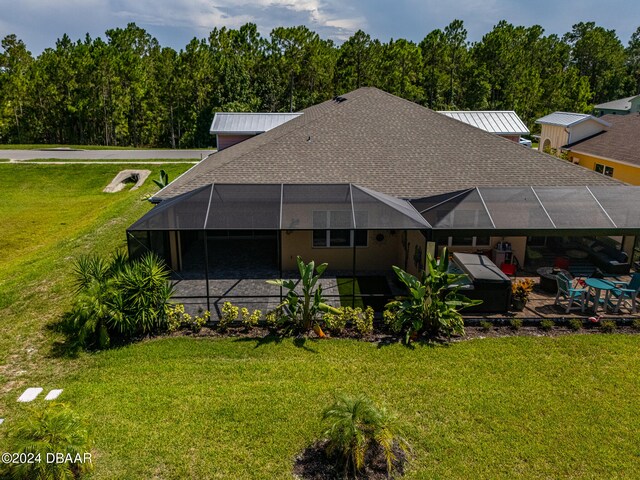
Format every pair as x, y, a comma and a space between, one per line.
614, 152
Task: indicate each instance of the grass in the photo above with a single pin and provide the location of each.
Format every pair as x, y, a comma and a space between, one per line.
50, 215
37, 146
345, 289
518, 407
120, 160
237, 408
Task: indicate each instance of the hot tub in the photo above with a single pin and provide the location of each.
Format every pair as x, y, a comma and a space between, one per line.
484, 282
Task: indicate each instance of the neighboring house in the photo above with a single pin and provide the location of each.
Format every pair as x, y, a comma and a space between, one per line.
623, 106
232, 128
562, 128
504, 123
369, 180
614, 152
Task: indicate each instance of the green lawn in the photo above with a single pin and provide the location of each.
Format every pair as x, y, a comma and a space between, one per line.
51, 214
36, 146
91, 160
495, 408
208, 408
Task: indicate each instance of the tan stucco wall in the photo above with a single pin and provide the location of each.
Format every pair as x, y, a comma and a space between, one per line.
556, 135
378, 255
518, 247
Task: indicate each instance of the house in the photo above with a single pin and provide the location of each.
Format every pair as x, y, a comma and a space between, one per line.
623, 106
614, 152
368, 180
504, 123
562, 128
231, 128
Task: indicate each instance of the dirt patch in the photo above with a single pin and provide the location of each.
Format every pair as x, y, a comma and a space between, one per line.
314, 464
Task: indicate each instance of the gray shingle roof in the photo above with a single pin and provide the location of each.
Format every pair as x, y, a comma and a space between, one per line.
619, 142
506, 122
567, 119
383, 142
620, 104
248, 123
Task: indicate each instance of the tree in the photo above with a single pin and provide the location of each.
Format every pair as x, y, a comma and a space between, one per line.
400, 69
15, 63
599, 55
358, 62
633, 60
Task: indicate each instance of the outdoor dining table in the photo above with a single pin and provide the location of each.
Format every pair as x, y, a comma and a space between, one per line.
598, 285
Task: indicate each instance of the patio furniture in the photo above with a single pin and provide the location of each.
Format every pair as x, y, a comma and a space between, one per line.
508, 269
627, 291
577, 296
598, 285
576, 254
548, 276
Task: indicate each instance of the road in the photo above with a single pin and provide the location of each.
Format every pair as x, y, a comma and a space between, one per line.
68, 154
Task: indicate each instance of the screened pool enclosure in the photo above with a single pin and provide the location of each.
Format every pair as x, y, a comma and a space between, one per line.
222, 241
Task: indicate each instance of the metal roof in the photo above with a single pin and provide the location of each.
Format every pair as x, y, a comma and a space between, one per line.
506, 122
620, 104
567, 119
248, 123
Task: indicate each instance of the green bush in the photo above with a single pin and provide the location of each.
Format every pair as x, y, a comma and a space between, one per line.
608, 326
51, 429
177, 319
355, 425
547, 325
575, 324
516, 323
117, 299
636, 324
486, 326
335, 323
230, 314
432, 303
250, 320
364, 321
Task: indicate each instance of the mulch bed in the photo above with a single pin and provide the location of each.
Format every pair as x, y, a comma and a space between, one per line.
314, 464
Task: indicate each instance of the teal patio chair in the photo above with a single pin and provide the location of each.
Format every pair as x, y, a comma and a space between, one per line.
627, 291
573, 296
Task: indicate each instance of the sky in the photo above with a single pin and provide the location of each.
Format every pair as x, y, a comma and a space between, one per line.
39, 23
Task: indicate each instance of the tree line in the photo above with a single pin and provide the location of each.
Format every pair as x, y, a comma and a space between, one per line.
128, 90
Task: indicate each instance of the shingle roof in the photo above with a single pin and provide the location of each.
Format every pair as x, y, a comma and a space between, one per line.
620, 104
619, 142
248, 123
506, 122
380, 141
567, 119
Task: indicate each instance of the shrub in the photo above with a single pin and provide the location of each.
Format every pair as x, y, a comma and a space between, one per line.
575, 324
53, 428
176, 317
516, 323
196, 323
486, 326
335, 323
364, 321
432, 303
117, 299
521, 289
547, 325
229, 315
636, 324
355, 426
250, 320
608, 326
273, 318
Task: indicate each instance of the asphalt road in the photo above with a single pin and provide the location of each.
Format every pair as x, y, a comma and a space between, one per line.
67, 154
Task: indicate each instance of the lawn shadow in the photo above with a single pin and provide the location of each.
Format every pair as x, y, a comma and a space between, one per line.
299, 342
64, 348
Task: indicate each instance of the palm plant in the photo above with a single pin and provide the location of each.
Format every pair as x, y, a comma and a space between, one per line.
302, 309
356, 426
163, 181
53, 429
118, 298
432, 303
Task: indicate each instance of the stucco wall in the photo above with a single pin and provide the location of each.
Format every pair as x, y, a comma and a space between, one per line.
621, 171
378, 255
556, 135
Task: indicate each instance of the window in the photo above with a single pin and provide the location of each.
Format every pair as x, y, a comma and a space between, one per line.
604, 170
326, 236
469, 241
